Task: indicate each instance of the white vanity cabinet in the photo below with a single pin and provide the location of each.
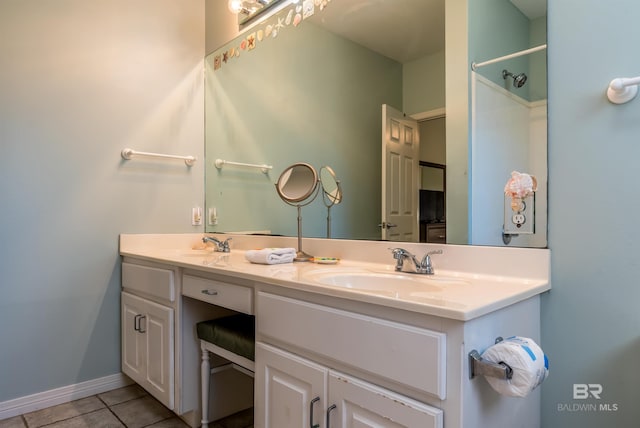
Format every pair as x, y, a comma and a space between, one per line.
148, 314
295, 391
383, 361
160, 307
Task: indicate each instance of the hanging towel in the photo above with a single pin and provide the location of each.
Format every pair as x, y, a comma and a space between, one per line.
271, 256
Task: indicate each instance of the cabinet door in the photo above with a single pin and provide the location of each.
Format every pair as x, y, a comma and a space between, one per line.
147, 346
290, 391
133, 344
362, 405
158, 333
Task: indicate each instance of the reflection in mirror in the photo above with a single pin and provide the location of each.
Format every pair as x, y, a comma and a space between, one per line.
331, 192
297, 186
433, 188
248, 10
509, 126
293, 89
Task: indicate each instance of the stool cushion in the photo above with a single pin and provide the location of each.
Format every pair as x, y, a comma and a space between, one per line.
235, 333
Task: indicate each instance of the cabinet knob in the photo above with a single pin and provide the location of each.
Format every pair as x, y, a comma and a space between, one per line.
210, 292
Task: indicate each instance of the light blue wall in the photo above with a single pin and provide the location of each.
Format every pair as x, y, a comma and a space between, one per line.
591, 317
423, 84
538, 60
79, 81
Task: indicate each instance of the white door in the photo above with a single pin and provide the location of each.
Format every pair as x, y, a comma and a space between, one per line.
400, 176
359, 404
290, 391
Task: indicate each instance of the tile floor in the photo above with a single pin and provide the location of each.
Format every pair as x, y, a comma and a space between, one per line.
130, 407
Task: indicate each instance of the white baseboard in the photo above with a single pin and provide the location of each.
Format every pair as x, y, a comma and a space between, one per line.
65, 394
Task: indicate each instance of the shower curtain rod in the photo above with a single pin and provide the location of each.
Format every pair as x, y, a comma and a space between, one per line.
477, 65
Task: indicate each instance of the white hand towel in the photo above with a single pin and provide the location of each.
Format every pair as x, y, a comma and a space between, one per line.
271, 256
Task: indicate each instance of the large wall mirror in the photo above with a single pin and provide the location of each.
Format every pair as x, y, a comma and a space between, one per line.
323, 81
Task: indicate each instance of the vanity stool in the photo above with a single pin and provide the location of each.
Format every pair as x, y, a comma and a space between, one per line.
231, 337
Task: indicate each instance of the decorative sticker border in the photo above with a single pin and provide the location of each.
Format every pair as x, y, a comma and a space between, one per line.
270, 28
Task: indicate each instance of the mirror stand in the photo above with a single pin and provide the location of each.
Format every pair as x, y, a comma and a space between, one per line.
301, 256
329, 222
298, 186
331, 192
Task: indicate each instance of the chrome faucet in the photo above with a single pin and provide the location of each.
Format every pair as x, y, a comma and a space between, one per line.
423, 267
221, 246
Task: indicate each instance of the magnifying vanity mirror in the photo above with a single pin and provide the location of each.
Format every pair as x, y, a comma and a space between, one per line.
298, 186
331, 192
297, 183
289, 88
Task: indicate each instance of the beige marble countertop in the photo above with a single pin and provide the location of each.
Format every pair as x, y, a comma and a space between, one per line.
451, 293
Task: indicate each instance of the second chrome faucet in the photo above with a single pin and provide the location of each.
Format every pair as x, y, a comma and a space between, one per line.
222, 246
423, 267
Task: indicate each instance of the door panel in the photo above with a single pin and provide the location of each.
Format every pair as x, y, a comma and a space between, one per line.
363, 405
288, 384
158, 327
133, 354
147, 346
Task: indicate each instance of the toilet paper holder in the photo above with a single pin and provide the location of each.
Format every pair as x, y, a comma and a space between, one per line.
480, 367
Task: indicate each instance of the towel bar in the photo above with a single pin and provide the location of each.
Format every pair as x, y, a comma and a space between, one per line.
219, 163
128, 154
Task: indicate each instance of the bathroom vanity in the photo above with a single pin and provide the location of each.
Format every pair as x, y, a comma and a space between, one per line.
351, 344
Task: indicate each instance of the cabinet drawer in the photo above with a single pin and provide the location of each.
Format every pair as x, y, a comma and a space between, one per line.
152, 281
231, 296
398, 352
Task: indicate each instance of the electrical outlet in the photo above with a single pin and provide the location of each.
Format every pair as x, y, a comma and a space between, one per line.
518, 219
196, 216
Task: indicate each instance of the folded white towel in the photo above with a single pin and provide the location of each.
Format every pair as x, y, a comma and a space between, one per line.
271, 256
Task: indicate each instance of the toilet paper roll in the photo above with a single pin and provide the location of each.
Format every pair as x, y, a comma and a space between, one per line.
530, 365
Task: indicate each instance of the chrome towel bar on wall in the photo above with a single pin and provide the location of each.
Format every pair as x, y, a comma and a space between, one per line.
219, 163
130, 153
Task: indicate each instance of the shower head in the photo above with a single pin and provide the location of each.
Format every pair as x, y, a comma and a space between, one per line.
518, 80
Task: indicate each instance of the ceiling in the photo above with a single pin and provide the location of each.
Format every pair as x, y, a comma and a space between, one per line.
403, 30
531, 8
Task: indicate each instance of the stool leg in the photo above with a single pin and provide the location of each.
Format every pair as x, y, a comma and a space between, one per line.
205, 373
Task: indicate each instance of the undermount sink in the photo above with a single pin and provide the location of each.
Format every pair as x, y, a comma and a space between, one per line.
393, 284
197, 252
370, 281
